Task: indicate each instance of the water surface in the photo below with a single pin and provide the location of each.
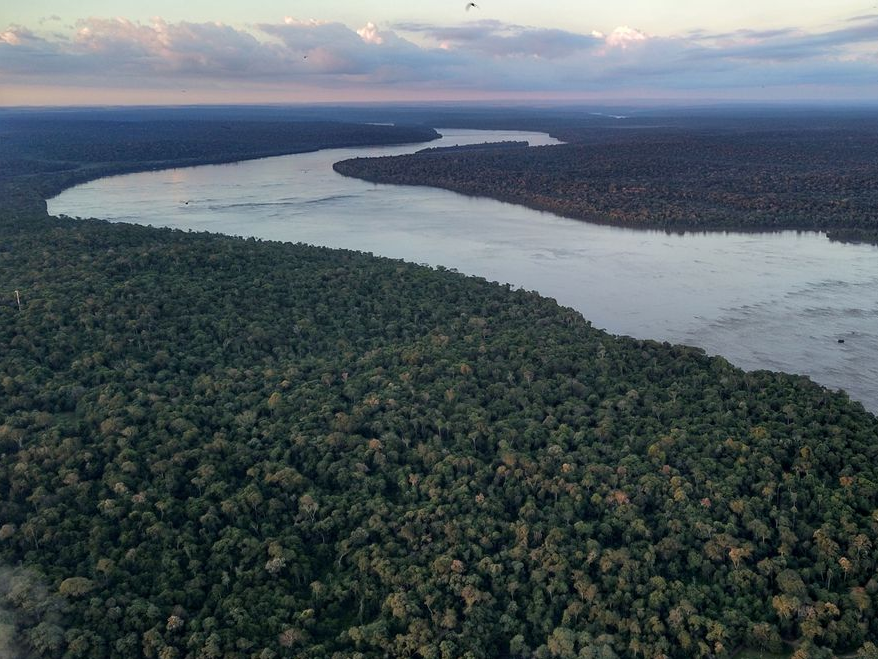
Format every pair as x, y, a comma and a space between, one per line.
779, 301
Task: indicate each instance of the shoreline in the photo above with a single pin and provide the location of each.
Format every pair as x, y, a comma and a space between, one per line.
603, 221
808, 236
83, 176
836, 234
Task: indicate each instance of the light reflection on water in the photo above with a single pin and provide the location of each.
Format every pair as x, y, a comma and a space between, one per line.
779, 301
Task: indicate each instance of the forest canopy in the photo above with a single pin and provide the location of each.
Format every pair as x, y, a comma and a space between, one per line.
218, 447
764, 176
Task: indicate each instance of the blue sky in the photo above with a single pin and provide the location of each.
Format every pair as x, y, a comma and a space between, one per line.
97, 51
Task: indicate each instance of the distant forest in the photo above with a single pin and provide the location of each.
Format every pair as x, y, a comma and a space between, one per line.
763, 176
44, 153
219, 448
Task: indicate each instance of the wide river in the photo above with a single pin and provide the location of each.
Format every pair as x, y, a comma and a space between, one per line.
780, 301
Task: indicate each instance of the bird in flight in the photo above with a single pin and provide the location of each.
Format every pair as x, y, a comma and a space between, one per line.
471, 5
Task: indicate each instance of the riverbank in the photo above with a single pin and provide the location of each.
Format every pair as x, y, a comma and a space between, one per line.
45, 154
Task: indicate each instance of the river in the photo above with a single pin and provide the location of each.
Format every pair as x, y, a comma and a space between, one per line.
781, 301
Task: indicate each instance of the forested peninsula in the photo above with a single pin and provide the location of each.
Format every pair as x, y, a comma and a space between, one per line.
214, 447
813, 175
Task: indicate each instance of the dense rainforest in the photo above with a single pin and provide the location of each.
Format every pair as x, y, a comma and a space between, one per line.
214, 447
761, 177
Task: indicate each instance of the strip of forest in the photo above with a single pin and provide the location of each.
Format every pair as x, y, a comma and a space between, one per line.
810, 177
213, 447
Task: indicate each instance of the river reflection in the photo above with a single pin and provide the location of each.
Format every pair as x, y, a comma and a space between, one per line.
779, 301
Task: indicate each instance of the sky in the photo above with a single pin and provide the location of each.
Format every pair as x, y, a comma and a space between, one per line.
87, 52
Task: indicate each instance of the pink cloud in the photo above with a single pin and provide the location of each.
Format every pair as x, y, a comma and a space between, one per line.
487, 57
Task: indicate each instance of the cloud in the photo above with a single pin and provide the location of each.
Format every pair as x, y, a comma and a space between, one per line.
118, 49
367, 54
482, 57
369, 33
624, 36
504, 40
792, 44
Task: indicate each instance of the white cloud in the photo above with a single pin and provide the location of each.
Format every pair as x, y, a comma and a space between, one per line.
624, 36
369, 34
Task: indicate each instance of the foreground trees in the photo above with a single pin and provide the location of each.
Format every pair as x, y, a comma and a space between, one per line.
223, 448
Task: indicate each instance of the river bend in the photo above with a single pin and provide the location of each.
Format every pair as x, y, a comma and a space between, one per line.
781, 301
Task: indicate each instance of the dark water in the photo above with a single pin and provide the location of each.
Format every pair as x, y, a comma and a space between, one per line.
779, 301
